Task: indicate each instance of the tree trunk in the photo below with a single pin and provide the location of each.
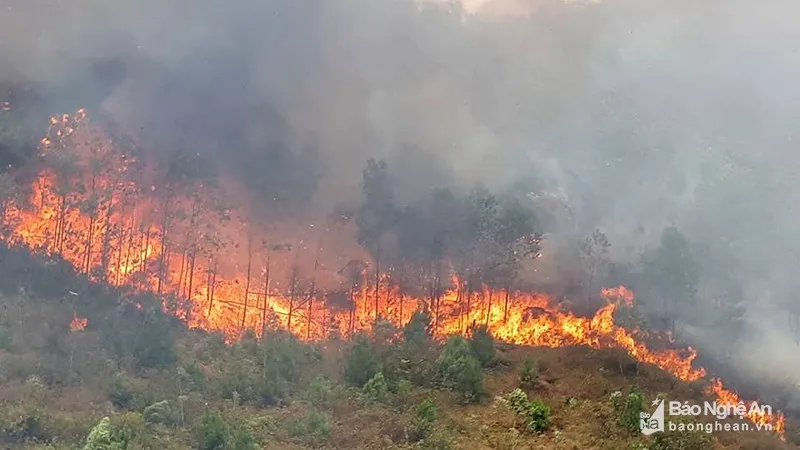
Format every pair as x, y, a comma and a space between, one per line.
105, 256
292, 291
377, 277
505, 308
266, 298
438, 294
247, 283
313, 292
489, 306
212, 275
163, 270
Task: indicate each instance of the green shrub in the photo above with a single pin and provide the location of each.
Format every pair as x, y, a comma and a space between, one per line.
313, 428
362, 363
320, 391
426, 411
459, 370
6, 339
417, 332
628, 409
153, 341
121, 433
377, 389
482, 344
402, 392
264, 373
192, 377
242, 439
682, 440
529, 375
121, 392
535, 414
26, 424
158, 413
422, 425
103, 437
215, 432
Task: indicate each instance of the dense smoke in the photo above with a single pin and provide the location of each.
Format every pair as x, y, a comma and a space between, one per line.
624, 115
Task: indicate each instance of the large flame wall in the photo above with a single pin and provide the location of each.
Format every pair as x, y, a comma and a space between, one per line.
101, 210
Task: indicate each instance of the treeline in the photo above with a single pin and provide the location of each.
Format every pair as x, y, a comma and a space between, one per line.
482, 238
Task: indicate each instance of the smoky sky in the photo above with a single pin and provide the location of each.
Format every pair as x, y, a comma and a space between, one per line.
635, 115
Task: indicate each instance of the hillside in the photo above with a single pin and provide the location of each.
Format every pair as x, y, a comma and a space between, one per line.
73, 353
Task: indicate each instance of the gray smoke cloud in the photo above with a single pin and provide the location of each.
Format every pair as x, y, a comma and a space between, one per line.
634, 115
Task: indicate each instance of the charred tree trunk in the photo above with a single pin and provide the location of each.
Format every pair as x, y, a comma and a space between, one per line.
120, 245
402, 298
92, 218
437, 296
247, 283
266, 298
163, 270
505, 307
181, 272
105, 256
193, 256
460, 305
212, 285
190, 293
312, 292
489, 307
292, 292
377, 277
145, 253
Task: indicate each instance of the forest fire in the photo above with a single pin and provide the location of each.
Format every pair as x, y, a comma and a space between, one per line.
97, 208
78, 323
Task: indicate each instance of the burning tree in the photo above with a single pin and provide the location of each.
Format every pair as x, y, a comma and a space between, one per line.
669, 276
376, 215
593, 251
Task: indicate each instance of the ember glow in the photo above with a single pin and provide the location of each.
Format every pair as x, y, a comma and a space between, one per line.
78, 323
98, 209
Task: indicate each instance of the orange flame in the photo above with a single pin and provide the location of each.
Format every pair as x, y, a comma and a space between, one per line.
78, 323
87, 206
756, 415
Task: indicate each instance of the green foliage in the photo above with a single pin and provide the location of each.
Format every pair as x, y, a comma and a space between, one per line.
422, 426
377, 389
362, 363
313, 428
426, 411
376, 214
459, 370
529, 375
26, 424
121, 433
159, 413
264, 373
417, 332
402, 392
121, 392
242, 439
215, 432
103, 437
482, 344
320, 391
682, 440
147, 334
535, 414
670, 274
628, 409
192, 378
6, 339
